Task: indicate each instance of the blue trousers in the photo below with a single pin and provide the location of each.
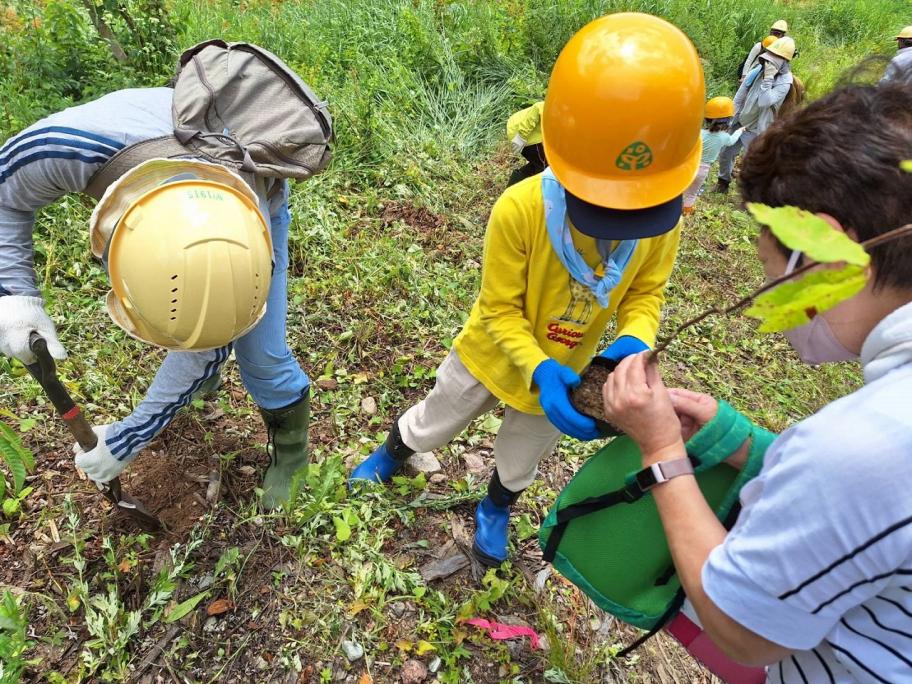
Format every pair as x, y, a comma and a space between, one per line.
268, 369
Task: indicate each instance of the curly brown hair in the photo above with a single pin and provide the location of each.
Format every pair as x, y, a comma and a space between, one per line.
841, 156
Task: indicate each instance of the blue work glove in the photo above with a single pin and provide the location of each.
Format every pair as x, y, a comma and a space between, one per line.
554, 384
624, 346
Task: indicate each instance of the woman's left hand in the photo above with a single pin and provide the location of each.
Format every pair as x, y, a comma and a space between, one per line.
637, 402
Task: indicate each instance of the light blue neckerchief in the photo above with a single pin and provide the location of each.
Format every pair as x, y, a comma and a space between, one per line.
562, 240
752, 76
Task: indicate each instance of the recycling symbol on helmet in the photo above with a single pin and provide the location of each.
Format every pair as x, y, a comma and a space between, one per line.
634, 157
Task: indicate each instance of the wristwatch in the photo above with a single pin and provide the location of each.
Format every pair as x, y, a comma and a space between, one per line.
663, 471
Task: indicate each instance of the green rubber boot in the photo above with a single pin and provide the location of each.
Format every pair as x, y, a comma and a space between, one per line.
209, 389
287, 449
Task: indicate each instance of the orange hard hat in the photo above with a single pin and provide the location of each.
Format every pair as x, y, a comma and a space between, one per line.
720, 108
623, 113
769, 40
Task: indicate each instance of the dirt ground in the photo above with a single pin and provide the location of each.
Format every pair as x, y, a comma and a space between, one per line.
172, 479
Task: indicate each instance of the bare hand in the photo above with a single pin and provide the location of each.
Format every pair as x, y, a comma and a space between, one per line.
694, 410
638, 403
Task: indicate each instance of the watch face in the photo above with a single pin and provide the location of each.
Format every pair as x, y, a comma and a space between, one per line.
646, 479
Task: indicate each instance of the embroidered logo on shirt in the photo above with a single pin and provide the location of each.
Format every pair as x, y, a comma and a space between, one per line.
634, 157
565, 336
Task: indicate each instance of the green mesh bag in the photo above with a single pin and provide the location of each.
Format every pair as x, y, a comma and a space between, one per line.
605, 535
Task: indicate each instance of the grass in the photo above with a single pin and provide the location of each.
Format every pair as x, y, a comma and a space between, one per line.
385, 253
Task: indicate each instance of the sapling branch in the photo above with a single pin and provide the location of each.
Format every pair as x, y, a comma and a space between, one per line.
868, 245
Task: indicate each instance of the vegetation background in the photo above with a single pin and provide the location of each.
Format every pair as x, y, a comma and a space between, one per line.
385, 254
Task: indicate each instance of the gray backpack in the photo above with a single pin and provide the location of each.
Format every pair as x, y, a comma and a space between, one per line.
238, 105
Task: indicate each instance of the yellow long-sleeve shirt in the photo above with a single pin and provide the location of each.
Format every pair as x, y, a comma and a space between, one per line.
526, 123
530, 308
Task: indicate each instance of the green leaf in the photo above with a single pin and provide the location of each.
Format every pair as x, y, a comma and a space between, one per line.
15, 455
343, 529
183, 608
10, 507
811, 235
795, 303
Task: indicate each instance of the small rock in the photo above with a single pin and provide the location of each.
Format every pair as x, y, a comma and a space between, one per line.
247, 470
445, 567
424, 462
328, 383
437, 478
205, 581
474, 463
210, 624
397, 609
352, 650
541, 578
435, 665
543, 643
369, 405
413, 672
261, 663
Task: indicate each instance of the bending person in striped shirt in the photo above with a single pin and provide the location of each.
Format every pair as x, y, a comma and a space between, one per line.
814, 580
59, 155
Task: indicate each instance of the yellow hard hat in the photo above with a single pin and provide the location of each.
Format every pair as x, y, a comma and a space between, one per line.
905, 33
622, 119
783, 47
720, 108
769, 40
190, 261
780, 25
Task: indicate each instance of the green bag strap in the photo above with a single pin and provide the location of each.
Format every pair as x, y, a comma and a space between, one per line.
761, 439
716, 440
627, 494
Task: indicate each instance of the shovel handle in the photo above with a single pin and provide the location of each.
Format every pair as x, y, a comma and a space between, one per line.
44, 370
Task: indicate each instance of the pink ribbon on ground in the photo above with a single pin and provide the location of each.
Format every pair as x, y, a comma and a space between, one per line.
500, 632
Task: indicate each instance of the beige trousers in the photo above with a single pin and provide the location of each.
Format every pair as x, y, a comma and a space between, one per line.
457, 398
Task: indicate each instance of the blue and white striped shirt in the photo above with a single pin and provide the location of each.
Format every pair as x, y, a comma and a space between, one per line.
58, 155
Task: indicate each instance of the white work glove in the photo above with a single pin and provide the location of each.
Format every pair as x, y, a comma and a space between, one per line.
19, 316
98, 464
518, 143
740, 131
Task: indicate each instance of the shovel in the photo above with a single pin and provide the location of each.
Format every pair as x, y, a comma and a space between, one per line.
45, 372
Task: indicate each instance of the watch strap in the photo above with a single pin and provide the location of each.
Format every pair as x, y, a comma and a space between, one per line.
663, 471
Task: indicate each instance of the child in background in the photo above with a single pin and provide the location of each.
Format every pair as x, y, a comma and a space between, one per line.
525, 134
719, 113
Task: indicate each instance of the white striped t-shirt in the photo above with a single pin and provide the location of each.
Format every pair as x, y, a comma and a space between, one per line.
820, 559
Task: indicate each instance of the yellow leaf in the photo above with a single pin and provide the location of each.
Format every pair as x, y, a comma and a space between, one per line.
404, 645
360, 378
125, 565
366, 679
424, 647
73, 602
357, 607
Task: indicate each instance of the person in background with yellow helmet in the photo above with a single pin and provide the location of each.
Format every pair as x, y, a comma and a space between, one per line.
753, 58
900, 67
197, 259
719, 114
777, 31
593, 238
525, 135
757, 102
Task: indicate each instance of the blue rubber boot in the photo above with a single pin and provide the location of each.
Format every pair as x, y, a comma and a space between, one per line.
385, 462
492, 523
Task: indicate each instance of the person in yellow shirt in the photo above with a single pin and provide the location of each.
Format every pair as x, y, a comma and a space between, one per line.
525, 134
593, 237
